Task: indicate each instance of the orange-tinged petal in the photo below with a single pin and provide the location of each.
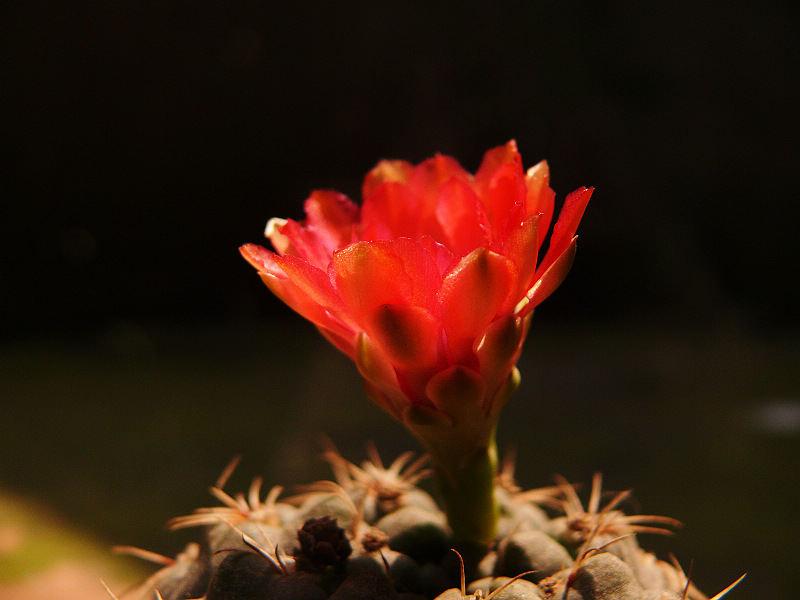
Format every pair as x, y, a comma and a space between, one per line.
566, 226
316, 285
390, 211
500, 183
444, 259
521, 247
346, 343
458, 392
547, 283
494, 159
426, 182
376, 369
369, 274
301, 303
461, 217
331, 216
541, 199
280, 242
504, 198
431, 174
303, 243
386, 170
409, 335
261, 258
304, 288
471, 295
499, 348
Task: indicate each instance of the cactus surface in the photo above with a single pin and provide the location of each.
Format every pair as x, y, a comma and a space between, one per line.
375, 535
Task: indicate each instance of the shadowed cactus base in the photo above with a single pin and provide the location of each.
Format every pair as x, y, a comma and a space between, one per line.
375, 535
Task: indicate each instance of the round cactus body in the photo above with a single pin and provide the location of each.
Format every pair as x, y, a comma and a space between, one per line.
375, 535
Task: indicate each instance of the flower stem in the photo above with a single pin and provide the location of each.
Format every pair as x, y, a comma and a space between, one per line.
466, 483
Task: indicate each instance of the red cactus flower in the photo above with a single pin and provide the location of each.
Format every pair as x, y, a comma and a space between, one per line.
430, 283
429, 287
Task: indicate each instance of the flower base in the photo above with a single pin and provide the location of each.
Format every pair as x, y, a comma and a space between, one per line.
375, 534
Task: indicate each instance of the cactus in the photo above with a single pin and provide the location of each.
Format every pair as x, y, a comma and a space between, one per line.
374, 534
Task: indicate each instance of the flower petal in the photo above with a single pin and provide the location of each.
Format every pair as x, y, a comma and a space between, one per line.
296, 299
409, 335
259, 257
316, 285
386, 170
380, 375
345, 343
369, 274
461, 217
541, 199
471, 295
458, 392
566, 226
498, 350
521, 247
548, 281
332, 217
426, 183
293, 238
502, 189
390, 211
493, 160
444, 259
280, 242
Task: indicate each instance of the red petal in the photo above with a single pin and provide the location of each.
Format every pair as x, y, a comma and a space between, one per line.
444, 259
426, 183
280, 242
331, 216
504, 198
261, 258
459, 393
433, 173
345, 343
386, 170
299, 301
493, 160
461, 217
471, 296
409, 335
304, 288
521, 247
390, 211
499, 349
547, 283
316, 285
566, 226
541, 199
369, 274
380, 375
304, 244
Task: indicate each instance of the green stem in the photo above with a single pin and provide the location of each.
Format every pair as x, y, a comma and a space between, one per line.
460, 437
466, 483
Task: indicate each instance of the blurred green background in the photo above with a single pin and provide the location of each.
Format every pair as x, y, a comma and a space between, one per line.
143, 142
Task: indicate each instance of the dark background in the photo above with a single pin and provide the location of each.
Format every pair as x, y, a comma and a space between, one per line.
143, 142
